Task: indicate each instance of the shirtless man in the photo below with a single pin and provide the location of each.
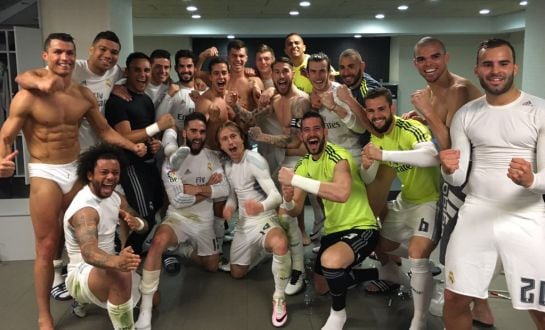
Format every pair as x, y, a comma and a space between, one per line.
50, 124
288, 105
443, 96
264, 58
213, 102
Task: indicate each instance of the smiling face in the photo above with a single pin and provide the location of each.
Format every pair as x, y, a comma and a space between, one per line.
160, 70
237, 59
314, 135
295, 48
496, 70
185, 69
380, 113
232, 143
138, 75
219, 77
282, 77
263, 62
195, 134
103, 55
351, 70
104, 178
60, 57
431, 61
318, 73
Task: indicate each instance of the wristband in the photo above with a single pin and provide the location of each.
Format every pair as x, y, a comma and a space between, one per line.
309, 185
141, 224
288, 206
152, 129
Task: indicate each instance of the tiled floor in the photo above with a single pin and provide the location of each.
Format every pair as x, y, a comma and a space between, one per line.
195, 299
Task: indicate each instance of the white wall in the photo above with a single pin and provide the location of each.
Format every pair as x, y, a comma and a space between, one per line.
462, 50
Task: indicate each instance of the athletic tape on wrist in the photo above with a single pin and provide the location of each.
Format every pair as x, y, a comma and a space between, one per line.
141, 224
309, 185
152, 129
288, 206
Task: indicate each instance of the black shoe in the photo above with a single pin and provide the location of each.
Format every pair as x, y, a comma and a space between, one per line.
171, 265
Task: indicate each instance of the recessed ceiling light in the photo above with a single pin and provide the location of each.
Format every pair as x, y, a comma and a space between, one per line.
294, 13
357, 36
484, 11
196, 16
191, 8
230, 36
304, 3
523, 3
403, 7
379, 16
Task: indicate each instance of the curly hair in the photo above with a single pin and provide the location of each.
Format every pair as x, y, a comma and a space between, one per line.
88, 160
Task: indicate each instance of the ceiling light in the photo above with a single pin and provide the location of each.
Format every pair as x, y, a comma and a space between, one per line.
403, 7
230, 36
484, 11
379, 16
191, 8
523, 3
196, 16
357, 36
294, 13
304, 3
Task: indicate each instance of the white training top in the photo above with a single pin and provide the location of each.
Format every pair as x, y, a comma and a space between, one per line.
101, 86
179, 106
195, 170
156, 93
251, 179
108, 215
493, 135
344, 132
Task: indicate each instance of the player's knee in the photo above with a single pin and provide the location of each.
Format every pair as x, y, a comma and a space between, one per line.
454, 300
279, 244
238, 272
332, 259
211, 263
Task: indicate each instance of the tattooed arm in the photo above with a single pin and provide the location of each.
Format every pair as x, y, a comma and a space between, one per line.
85, 223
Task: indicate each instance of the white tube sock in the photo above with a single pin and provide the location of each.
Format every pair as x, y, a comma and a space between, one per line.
422, 290
336, 320
121, 315
281, 269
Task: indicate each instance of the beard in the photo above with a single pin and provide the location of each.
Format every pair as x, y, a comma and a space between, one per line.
321, 146
499, 89
355, 79
386, 126
194, 151
186, 77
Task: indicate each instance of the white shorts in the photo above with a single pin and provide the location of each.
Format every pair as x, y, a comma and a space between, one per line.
405, 220
64, 175
78, 287
249, 242
200, 232
487, 233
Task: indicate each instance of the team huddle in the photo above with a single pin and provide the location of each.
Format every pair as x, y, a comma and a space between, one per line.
143, 171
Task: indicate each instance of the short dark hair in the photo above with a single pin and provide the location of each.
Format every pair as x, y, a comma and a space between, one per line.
58, 36
194, 116
494, 43
135, 56
87, 161
159, 53
282, 59
373, 93
351, 52
429, 41
312, 114
319, 57
217, 60
236, 44
107, 35
293, 34
184, 53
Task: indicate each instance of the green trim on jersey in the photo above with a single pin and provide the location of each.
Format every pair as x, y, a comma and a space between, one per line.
355, 213
418, 184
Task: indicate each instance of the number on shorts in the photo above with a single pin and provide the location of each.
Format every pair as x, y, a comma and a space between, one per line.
528, 297
424, 226
262, 231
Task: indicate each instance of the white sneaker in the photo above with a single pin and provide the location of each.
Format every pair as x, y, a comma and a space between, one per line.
296, 283
279, 312
169, 142
225, 267
78, 309
316, 249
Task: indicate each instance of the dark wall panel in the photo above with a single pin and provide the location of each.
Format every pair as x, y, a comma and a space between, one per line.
374, 50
